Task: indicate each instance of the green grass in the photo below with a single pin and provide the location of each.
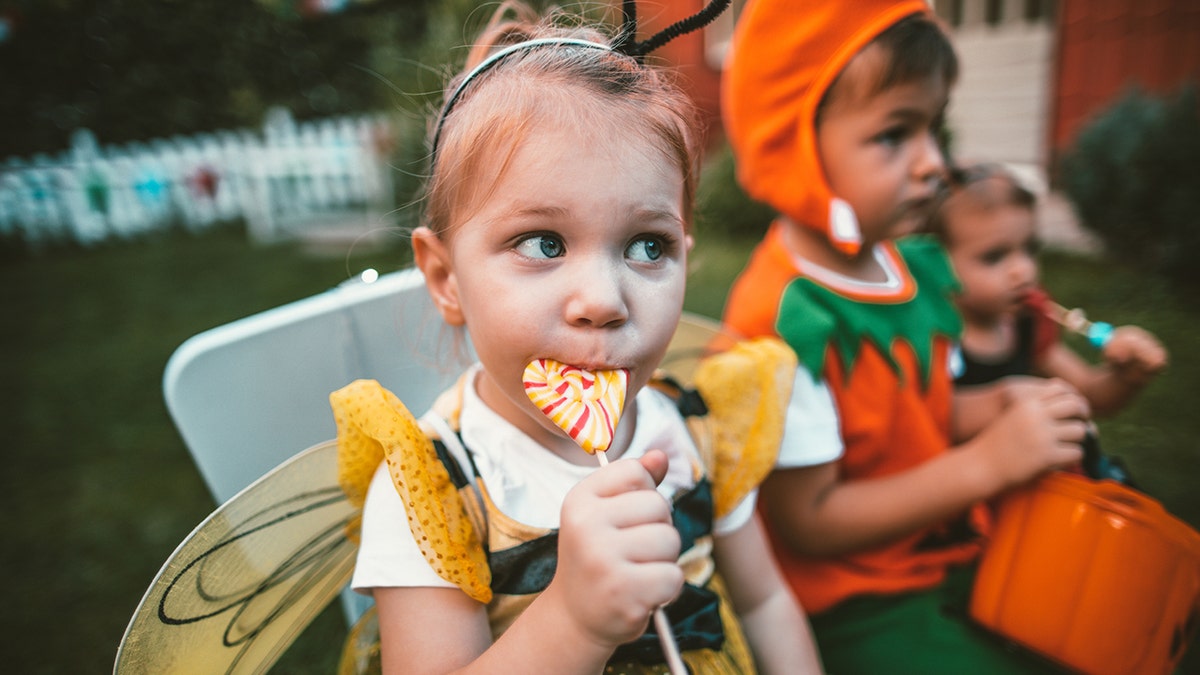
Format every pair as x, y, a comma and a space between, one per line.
98, 488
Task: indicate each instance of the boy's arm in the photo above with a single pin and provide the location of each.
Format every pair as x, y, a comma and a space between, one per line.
820, 514
1132, 358
977, 406
774, 623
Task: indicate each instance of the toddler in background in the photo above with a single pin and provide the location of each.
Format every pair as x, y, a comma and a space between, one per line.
987, 222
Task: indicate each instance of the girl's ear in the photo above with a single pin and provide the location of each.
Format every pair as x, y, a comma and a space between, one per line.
433, 259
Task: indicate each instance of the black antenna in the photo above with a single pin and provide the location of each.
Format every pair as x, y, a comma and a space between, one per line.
627, 43
628, 35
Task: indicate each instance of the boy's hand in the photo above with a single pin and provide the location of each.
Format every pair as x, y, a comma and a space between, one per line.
1135, 355
617, 550
1040, 430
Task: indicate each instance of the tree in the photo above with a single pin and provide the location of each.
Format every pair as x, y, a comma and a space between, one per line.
138, 69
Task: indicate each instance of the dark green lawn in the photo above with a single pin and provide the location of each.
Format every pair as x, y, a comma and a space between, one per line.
98, 488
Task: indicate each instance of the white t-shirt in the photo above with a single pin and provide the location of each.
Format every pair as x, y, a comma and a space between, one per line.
810, 430
525, 481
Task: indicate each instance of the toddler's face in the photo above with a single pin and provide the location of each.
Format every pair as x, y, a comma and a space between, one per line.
994, 254
880, 151
579, 254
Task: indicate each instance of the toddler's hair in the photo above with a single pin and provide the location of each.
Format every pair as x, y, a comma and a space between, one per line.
575, 86
914, 48
979, 187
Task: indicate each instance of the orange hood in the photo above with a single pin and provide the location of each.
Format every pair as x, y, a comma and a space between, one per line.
784, 57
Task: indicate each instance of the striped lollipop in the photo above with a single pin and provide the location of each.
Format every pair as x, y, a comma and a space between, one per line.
583, 403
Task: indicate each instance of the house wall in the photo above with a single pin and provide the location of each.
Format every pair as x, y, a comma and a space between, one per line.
1108, 46
999, 110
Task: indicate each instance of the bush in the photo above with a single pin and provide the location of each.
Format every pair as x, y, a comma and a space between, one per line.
722, 207
1134, 178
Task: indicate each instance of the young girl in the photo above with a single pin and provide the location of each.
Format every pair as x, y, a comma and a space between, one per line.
987, 225
558, 226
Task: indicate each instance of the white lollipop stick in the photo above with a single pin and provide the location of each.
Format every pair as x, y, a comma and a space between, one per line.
666, 637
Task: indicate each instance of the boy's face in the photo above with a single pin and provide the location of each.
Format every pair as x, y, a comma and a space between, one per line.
879, 150
578, 254
994, 254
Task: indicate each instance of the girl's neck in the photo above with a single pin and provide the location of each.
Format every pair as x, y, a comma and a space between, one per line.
993, 336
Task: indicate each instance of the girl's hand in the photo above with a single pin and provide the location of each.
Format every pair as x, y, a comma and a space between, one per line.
617, 551
1039, 430
1135, 355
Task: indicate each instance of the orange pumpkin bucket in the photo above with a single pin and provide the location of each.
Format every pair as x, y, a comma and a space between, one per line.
1091, 574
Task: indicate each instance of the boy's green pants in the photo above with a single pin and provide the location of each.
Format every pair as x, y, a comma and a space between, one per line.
923, 633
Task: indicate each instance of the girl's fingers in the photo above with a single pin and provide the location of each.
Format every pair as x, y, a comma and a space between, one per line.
651, 543
620, 477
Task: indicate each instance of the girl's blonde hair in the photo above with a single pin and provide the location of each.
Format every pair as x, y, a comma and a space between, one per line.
546, 84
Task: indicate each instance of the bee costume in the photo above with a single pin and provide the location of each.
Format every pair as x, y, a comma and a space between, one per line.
735, 419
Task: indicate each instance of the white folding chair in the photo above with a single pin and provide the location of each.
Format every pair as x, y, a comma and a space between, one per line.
247, 395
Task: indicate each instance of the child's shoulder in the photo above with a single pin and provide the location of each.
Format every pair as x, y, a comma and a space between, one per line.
375, 427
737, 421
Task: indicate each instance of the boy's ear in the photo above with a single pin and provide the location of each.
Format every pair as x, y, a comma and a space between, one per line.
433, 259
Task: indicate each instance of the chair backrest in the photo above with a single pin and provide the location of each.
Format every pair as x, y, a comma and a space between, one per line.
248, 395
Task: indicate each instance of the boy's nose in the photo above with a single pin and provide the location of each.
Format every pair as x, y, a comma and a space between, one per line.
596, 300
930, 164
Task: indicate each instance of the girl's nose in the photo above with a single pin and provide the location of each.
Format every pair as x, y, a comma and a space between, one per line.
1025, 268
596, 299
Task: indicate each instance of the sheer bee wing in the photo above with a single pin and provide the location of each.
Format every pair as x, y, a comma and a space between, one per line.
248, 579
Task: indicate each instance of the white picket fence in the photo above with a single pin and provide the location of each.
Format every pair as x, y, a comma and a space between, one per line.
280, 182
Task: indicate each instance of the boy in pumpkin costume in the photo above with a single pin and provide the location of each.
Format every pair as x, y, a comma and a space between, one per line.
833, 111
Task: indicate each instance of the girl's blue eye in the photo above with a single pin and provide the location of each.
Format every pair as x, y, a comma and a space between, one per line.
541, 246
646, 249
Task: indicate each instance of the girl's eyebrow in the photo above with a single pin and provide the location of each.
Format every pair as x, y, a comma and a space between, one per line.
649, 213
641, 214
521, 213
537, 211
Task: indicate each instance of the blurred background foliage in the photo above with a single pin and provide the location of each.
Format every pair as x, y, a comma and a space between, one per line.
131, 70
1133, 174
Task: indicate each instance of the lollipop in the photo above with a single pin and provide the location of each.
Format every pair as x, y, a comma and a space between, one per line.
587, 405
584, 404
1075, 320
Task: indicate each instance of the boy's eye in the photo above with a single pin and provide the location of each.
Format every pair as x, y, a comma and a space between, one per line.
893, 136
646, 249
541, 246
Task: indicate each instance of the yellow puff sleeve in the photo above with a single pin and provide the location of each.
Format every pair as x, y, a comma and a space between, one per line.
746, 390
373, 426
